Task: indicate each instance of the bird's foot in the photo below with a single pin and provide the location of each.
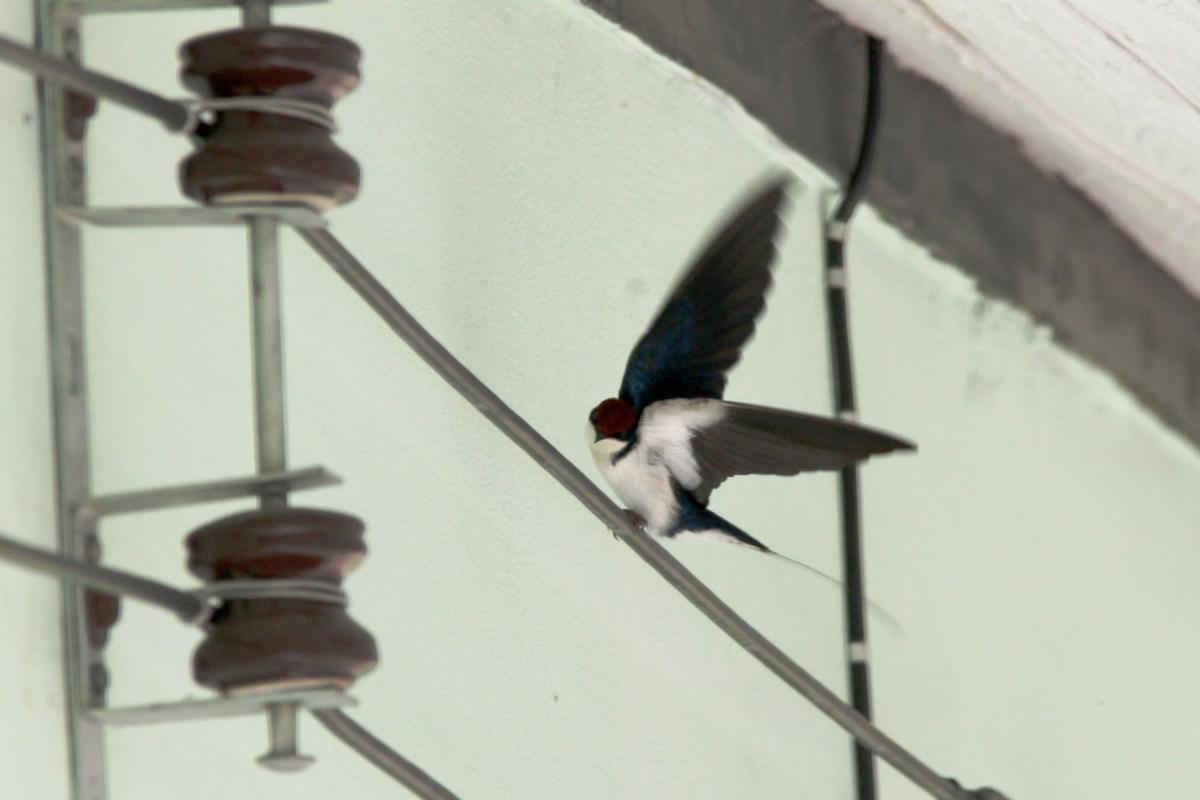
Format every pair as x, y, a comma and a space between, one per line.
635, 518
987, 793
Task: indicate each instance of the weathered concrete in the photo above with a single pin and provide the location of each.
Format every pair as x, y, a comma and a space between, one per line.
950, 181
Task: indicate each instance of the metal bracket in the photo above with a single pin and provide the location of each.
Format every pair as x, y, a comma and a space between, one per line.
92, 509
189, 216
233, 705
80, 7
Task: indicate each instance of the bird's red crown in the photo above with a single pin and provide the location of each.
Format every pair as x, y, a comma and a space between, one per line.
613, 417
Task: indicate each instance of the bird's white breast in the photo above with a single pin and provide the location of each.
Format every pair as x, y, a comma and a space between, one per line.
642, 482
642, 478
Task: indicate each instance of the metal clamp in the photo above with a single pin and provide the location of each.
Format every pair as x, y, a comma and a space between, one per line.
303, 110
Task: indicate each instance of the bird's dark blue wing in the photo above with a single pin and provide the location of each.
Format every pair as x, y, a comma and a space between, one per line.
699, 333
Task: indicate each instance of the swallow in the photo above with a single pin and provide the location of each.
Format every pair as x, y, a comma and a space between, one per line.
669, 438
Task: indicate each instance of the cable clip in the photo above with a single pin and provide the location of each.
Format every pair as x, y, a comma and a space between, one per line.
200, 107
213, 594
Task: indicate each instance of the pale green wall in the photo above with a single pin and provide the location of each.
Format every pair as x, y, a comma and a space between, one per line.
533, 179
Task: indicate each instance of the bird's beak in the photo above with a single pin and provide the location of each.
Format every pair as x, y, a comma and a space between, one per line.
599, 436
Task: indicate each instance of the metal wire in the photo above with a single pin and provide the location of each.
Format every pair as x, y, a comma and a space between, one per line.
175, 116
190, 609
857, 663
595, 500
304, 110
273, 589
179, 116
369, 747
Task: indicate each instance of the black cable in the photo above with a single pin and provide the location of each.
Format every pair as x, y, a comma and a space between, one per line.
866, 146
844, 404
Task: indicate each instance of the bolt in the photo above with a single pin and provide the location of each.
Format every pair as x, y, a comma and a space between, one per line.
283, 755
97, 684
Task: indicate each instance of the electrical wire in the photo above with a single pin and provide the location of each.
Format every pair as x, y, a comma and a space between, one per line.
178, 116
596, 501
861, 171
841, 362
175, 116
187, 607
372, 749
850, 495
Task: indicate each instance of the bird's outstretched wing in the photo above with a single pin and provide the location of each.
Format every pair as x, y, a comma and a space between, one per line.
699, 333
703, 442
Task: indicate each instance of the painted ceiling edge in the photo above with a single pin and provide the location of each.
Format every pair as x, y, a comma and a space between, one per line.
949, 180
1158, 212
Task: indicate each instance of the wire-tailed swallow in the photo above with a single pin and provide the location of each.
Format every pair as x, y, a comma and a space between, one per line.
669, 438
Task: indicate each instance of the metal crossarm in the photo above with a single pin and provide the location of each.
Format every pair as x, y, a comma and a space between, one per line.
207, 492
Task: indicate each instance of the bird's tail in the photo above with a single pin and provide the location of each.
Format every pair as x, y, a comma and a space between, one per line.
698, 520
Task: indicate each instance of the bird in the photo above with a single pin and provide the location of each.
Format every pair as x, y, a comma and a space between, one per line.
669, 438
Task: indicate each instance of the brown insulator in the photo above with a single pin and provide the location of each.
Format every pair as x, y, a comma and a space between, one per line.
280, 643
102, 612
248, 157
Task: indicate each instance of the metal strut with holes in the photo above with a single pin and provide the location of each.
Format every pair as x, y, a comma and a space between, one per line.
278, 637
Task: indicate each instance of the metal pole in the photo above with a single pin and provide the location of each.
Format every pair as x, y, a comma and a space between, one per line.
369, 747
595, 500
256, 13
270, 433
173, 115
64, 183
270, 424
187, 607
